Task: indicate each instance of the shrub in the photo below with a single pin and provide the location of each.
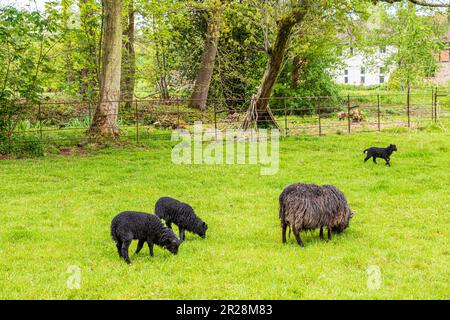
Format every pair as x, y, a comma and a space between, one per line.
22, 146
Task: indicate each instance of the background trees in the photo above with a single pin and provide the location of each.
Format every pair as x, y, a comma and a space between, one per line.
27, 42
227, 50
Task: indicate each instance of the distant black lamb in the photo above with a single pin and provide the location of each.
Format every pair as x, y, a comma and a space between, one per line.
181, 214
384, 153
130, 225
305, 207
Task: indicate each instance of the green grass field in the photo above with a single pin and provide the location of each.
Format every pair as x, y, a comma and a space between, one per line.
55, 212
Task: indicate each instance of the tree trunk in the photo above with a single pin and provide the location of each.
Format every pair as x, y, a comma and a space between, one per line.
104, 124
89, 75
273, 67
200, 94
129, 59
162, 81
296, 63
66, 14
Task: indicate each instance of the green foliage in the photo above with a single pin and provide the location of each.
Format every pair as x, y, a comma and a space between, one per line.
415, 34
22, 145
241, 58
25, 40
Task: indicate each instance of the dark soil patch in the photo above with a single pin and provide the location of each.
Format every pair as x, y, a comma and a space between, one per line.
79, 151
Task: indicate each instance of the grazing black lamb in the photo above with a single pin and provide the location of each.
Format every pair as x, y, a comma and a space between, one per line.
181, 214
131, 225
305, 207
384, 153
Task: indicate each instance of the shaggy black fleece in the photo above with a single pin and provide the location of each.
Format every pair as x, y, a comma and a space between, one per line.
383, 153
306, 207
131, 225
181, 214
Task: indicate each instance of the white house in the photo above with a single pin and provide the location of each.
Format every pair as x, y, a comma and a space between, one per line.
365, 69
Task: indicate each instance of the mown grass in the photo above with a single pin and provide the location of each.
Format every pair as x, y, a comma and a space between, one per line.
56, 212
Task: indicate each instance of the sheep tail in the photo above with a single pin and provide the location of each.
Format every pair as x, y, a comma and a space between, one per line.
365, 151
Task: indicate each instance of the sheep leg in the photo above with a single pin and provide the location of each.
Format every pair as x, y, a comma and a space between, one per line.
297, 237
139, 246
367, 158
169, 224
329, 233
119, 248
283, 232
150, 247
387, 162
374, 160
125, 246
182, 234
321, 233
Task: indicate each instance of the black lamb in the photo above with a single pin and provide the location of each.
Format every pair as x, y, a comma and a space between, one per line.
384, 153
131, 225
181, 214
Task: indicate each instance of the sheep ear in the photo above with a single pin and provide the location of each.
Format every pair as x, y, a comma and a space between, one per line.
205, 225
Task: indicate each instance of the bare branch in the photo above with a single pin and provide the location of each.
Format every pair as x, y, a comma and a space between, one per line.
429, 4
424, 3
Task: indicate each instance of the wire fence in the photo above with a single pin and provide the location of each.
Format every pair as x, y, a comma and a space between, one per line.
139, 119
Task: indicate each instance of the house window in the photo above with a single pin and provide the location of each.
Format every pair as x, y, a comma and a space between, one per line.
381, 79
363, 80
363, 70
345, 79
351, 51
383, 49
346, 72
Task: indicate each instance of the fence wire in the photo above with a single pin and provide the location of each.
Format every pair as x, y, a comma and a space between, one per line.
139, 119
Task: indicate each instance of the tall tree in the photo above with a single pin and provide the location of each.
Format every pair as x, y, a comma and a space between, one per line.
104, 124
200, 93
276, 52
66, 15
89, 39
129, 57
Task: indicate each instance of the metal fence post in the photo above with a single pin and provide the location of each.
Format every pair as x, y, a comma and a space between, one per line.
408, 102
348, 114
178, 116
40, 119
318, 112
378, 111
285, 118
137, 121
432, 105
435, 104
90, 112
215, 121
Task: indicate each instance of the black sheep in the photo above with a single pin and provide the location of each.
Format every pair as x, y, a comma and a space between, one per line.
131, 225
307, 206
181, 214
384, 153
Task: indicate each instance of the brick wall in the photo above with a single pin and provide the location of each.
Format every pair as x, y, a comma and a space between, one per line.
444, 56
